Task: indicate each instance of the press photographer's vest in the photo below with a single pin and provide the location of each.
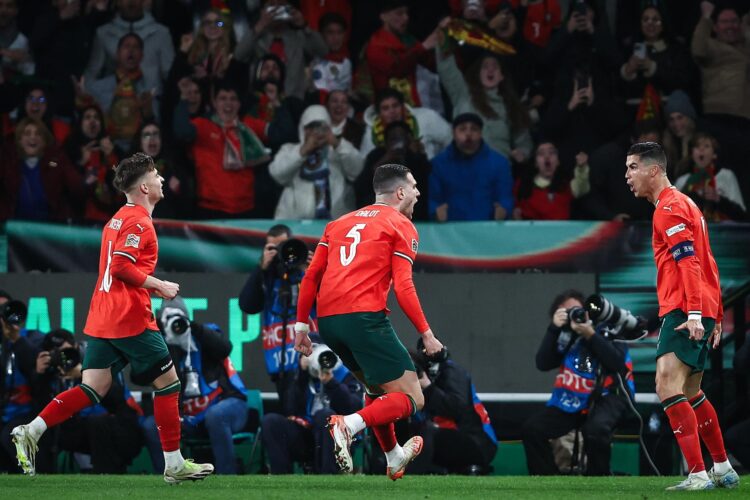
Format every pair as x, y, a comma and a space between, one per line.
317, 399
272, 326
484, 417
576, 379
194, 409
16, 386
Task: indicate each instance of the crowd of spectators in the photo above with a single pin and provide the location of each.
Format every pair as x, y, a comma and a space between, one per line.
283, 108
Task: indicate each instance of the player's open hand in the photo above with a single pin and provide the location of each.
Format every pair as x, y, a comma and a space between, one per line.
694, 327
715, 339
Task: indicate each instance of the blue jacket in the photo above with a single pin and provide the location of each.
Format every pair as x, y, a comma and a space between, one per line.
471, 185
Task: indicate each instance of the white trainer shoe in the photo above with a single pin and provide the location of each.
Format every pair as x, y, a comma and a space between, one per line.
26, 448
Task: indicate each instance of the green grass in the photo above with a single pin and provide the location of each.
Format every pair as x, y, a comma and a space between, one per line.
299, 487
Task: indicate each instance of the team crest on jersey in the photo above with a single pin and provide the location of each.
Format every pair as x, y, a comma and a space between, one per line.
115, 224
132, 240
414, 245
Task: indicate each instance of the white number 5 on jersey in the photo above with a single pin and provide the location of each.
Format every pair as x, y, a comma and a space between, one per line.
353, 234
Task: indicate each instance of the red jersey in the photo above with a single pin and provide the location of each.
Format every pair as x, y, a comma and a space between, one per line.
357, 258
687, 277
118, 309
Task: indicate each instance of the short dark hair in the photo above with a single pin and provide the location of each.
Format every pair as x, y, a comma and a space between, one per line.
387, 93
131, 169
398, 124
331, 18
651, 152
278, 230
570, 293
131, 34
226, 85
388, 176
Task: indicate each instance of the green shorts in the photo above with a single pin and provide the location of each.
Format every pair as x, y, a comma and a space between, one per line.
146, 352
692, 353
367, 343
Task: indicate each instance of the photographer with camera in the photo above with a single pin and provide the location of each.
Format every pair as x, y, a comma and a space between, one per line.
18, 353
322, 386
213, 398
454, 424
107, 433
271, 290
593, 385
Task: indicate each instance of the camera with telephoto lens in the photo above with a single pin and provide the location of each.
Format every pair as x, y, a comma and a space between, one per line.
61, 359
176, 324
13, 312
576, 315
621, 323
291, 255
322, 358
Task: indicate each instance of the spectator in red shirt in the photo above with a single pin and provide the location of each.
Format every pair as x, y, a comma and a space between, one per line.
545, 193
393, 54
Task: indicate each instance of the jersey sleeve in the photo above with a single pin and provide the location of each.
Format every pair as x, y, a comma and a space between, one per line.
311, 281
677, 230
406, 241
133, 239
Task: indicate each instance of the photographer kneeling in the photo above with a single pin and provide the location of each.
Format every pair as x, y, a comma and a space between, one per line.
454, 424
321, 387
591, 389
213, 397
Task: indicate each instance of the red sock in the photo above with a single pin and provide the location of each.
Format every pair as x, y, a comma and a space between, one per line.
685, 427
385, 434
167, 417
64, 405
386, 409
708, 427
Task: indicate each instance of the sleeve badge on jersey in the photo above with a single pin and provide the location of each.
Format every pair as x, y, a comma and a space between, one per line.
132, 240
675, 229
115, 224
414, 245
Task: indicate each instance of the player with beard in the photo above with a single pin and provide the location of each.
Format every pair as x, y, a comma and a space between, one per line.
358, 256
121, 327
687, 285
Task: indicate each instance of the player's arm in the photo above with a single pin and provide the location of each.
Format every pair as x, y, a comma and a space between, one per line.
678, 233
308, 288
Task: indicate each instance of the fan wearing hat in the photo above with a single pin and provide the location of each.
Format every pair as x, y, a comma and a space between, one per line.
393, 54
469, 180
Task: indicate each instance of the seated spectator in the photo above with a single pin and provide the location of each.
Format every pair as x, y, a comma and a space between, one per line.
393, 54
586, 393
314, 10
433, 131
157, 47
723, 61
92, 152
179, 186
545, 193
225, 149
106, 434
656, 58
456, 428
712, 188
487, 91
334, 70
39, 183
15, 53
681, 118
208, 54
281, 30
37, 105
316, 172
300, 432
610, 197
212, 395
469, 180
128, 97
401, 148
339, 109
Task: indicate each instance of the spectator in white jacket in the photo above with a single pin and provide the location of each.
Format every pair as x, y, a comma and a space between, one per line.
316, 172
431, 129
15, 54
158, 51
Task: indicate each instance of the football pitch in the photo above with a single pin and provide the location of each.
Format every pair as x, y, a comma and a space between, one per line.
352, 487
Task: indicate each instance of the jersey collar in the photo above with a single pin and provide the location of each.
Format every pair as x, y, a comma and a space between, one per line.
664, 193
139, 208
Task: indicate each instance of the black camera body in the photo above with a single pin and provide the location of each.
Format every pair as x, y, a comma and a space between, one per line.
291, 255
63, 360
576, 315
13, 312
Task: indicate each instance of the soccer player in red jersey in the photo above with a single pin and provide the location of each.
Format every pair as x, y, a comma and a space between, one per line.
121, 327
356, 260
687, 285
